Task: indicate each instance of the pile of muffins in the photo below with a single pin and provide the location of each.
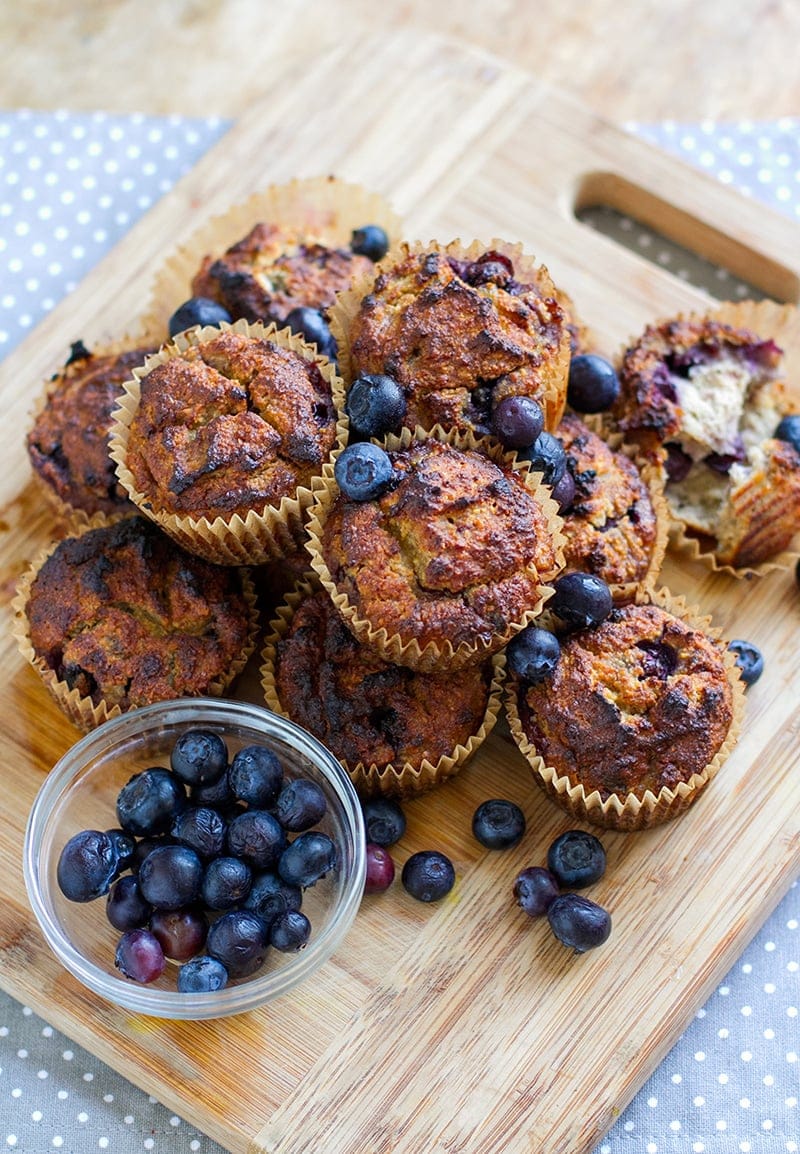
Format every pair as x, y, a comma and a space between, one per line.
196, 480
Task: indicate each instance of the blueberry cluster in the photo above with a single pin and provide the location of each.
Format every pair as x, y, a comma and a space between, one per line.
574, 860
427, 875
202, 869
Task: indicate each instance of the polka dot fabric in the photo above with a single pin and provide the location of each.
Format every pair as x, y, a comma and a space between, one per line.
70, 186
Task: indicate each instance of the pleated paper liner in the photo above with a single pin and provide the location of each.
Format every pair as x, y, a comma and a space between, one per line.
322, 209
80, 709
552, 372
398, 780
408, 651
266, 534
634, 811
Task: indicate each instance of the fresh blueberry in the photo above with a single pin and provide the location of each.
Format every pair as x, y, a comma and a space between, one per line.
578, 922
126, 909
290, 931
255, 776
498, 824
226, 882
384, 820
148, 802
592, 385
370, 241
170, 877
202, 975
239, 940
301, 804
789, 430
270, 895
581, 599
576, 859
428, 875
197, 311
749, 659
139, 956
517, 421
533, 654
380, 869
201, 828
199, 757
87, 865
376, 405
145, 844
363, 471
311, 325
547, 457
535, 888
181, 933
564, 491
307, 859
257, 837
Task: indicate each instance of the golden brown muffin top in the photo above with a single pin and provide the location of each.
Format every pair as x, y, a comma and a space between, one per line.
611, 524
231, 424
457, 341
275, 269
127, 617
641, 702
364, 709
456, 550
68, 443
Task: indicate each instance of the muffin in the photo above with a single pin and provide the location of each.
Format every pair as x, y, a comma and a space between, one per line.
443, 567
118, 617
616, 525
68, 442
636, 719
459, 329
396, 731
707, 397
220, 435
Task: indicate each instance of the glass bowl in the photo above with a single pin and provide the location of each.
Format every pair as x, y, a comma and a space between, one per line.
80, 793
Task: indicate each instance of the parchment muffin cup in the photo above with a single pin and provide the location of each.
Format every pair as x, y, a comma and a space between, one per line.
323, 208
554, 370
408, 651
265, 534
397, 779
80, 709
634, 810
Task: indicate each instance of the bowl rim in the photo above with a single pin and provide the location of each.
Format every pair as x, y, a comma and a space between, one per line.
234, 999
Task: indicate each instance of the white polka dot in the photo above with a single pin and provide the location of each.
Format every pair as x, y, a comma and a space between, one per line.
58, 1140
83, 1116
63, 1094
21, 1053
102, 1143
36, 1116
722, 1124
746, 1011
769, 1034
652, 1101
699, 1101
16, 1092
11, 1140
88, 1076
40, 1073
128, 1119
675, 1125
699, 1056
174, 1120
722, 1079
148, 1143
769, 947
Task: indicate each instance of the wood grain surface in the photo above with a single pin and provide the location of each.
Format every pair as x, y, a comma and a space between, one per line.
462, 1027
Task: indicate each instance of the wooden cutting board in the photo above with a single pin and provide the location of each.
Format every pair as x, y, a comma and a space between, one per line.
465, 1026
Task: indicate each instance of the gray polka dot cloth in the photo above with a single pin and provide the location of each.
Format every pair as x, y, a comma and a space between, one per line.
70, 186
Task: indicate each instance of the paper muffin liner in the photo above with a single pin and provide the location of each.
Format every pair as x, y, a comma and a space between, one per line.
81, 710
634, 811
398, 780
323, 208
553, 372
409, 652
263, 535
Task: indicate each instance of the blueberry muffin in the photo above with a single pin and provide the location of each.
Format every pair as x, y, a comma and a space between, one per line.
118, 617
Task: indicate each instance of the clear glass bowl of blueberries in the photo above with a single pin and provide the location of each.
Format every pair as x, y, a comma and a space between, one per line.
195, 858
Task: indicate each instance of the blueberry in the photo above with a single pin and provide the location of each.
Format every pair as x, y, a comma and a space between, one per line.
290, 931
428, 875
517, 421
749, 659
498, 824
197, 311
547, 457
307, 859
226, 882
384, 820
533, 654
170, 877
126, 909
181, 933
376, 405
124, 848
371, 241
310, 324
146, 844
363, 471
564, 491
199, 757
581, 599
483, 272
239, 940
578, 922
301, 804
218, 794
256, 776
139, 956
202, 975
87, 865
592, 385
257, 837
270, 895
380, 869
149, 801
201, 828
535, 888
576, 859
789, 430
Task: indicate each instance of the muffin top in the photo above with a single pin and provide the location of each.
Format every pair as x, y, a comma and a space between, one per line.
611, 524
231, 424
455, 550
366, 710
275, 269
460, 335
68, 443
127, 617
641, 702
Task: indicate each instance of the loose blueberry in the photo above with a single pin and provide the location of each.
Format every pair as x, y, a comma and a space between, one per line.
749, 659
311, 325
498, 824
384, 820
581, 599
592, 385
170, 877
307, 859
517, 421
202, 975
257, 837
533, 654
428, 875
370, 241
199, 757
789, 430
576, 859
126, 909
197, 311
87, 865
239, 940
290, 931
564, 491
578, 923
255, 776
363, 471
270, 895
201, 828
547, 457
380, 869
181, 933
139, 956
148, 802
301, 804
226, 882
376, 405
535, 888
